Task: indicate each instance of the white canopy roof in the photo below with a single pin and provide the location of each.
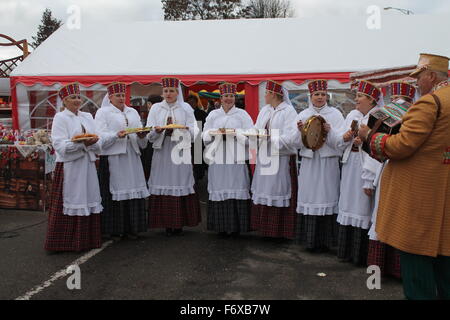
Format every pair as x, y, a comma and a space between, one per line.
256, 46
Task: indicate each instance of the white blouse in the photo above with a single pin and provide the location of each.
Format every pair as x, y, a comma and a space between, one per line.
81, 192
181, 114
281, 123
235, 118
332, 116
109, 120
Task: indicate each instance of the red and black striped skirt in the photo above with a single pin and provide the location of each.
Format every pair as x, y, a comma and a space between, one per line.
174, 212
386, 257
69, 233
276, 222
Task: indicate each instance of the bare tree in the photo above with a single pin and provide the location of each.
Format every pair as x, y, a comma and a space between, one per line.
268, 9
201, 9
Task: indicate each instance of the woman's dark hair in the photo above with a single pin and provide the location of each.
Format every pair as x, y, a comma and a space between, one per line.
154, 99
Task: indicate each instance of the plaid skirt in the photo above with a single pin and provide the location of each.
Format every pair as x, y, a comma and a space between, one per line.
386, 257
317, 232
69, 233
174, 212
277, 222
353, 245
119, 217
229, 216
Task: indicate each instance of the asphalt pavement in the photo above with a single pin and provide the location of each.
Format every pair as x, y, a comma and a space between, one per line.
198, 265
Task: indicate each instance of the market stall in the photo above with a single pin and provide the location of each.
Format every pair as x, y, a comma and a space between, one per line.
27, 160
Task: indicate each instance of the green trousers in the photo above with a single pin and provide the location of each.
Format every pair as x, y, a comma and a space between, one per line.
425, 278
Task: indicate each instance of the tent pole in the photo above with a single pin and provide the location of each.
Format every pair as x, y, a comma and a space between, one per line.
252, 100
15, 110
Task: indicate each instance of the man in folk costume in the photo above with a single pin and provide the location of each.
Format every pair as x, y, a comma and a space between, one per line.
121, 174
173, 201
414, 209
228, 175
74, 214
381, 254
319, 175
274, 185
358, 174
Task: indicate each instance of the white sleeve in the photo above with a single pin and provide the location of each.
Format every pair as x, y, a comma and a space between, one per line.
151, 122
295, 138
206, 136
369, 172
62, 144
288, 131
336, 132
108, 138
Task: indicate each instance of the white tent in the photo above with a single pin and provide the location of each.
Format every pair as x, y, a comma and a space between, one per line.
248, 51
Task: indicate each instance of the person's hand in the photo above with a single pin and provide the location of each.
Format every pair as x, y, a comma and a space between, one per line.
121, 134
141, 135
91, 141
326, 127
368, 192
348, 136
158, 129
300, 125
357, 142
363, 132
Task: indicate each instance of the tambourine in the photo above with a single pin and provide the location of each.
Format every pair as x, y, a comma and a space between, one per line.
313, 133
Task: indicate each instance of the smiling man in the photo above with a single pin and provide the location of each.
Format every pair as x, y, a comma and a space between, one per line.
414, 207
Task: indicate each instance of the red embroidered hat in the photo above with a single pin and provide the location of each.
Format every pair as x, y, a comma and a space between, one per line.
317, 85
227, 88
68, 90
170, 82
274, 87
117, 87
402, 89
369, 89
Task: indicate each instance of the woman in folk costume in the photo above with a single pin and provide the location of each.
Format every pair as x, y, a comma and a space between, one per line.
173, 201
228, 175
319, 175
358, 174
381, 254
121, 174
74, 214
274, 185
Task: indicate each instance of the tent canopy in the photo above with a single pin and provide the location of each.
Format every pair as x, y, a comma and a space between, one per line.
248, 50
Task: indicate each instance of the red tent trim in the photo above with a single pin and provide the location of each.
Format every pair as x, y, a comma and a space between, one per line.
250, 82
187, 80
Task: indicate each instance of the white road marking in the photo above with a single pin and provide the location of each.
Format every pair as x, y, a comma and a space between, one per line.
62, 273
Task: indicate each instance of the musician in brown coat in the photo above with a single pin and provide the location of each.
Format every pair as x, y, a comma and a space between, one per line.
414, 208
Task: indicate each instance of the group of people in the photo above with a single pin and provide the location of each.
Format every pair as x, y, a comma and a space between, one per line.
340, 194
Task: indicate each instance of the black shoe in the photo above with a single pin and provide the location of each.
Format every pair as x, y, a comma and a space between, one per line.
169, 232
235, 234
223, 234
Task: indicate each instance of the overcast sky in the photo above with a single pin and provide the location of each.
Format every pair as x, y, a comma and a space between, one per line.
20, 18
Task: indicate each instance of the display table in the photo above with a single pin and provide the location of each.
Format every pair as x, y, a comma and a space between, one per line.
25, 176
